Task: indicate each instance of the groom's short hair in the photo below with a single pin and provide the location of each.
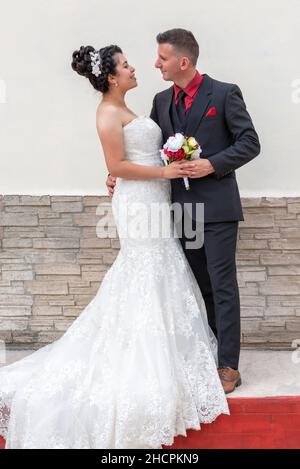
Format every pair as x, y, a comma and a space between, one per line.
182, 40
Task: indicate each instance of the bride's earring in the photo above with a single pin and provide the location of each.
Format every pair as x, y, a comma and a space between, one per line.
116, 84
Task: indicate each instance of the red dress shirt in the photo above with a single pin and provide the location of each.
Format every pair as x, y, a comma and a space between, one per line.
191, 90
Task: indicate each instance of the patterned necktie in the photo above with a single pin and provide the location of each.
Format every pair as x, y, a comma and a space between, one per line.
181, 106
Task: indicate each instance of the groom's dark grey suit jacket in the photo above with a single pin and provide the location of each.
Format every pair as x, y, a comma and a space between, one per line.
228, 139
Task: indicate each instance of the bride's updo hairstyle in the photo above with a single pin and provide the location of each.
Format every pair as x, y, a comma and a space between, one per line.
82, 64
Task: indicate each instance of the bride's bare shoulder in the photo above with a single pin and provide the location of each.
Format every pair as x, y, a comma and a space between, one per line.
107, 115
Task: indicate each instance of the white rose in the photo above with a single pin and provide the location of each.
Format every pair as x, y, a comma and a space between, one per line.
174, 143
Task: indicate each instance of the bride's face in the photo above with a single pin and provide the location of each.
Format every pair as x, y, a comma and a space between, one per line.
168, 62
125, 76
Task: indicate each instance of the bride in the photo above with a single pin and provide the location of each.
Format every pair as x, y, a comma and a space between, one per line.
138, 366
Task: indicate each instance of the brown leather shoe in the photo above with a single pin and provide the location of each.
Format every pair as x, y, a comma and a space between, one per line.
230, 378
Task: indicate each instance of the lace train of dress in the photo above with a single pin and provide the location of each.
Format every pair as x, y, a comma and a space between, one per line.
138, 366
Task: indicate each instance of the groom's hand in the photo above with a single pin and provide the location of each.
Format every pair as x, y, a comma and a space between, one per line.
198, 168
110, 184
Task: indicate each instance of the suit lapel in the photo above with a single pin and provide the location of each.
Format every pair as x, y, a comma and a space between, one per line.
166, 119
199, 106
196, 111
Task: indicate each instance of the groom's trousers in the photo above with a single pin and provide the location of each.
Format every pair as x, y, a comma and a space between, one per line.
214, 267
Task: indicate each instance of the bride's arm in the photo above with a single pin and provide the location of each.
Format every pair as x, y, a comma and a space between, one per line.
110, 131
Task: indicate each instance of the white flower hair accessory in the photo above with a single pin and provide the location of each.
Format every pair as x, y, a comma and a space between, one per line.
96, 63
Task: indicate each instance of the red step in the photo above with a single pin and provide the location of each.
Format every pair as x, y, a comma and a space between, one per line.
254, 423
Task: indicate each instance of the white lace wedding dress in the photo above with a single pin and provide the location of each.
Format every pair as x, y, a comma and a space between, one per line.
138, 366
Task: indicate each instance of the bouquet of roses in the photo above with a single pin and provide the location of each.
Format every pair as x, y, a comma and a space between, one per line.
180, 147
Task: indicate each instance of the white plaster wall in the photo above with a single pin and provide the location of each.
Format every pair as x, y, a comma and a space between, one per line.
48, 139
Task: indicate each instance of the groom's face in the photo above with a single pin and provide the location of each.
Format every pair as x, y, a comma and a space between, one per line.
168, 62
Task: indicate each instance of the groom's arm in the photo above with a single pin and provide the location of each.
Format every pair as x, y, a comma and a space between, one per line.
245, 144
153, 114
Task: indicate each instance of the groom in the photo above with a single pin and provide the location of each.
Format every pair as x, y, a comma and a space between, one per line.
215, 114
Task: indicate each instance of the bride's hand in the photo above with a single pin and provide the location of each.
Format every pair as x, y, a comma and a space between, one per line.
176, 170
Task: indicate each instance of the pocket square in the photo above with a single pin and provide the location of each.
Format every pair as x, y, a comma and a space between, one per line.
211, 112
